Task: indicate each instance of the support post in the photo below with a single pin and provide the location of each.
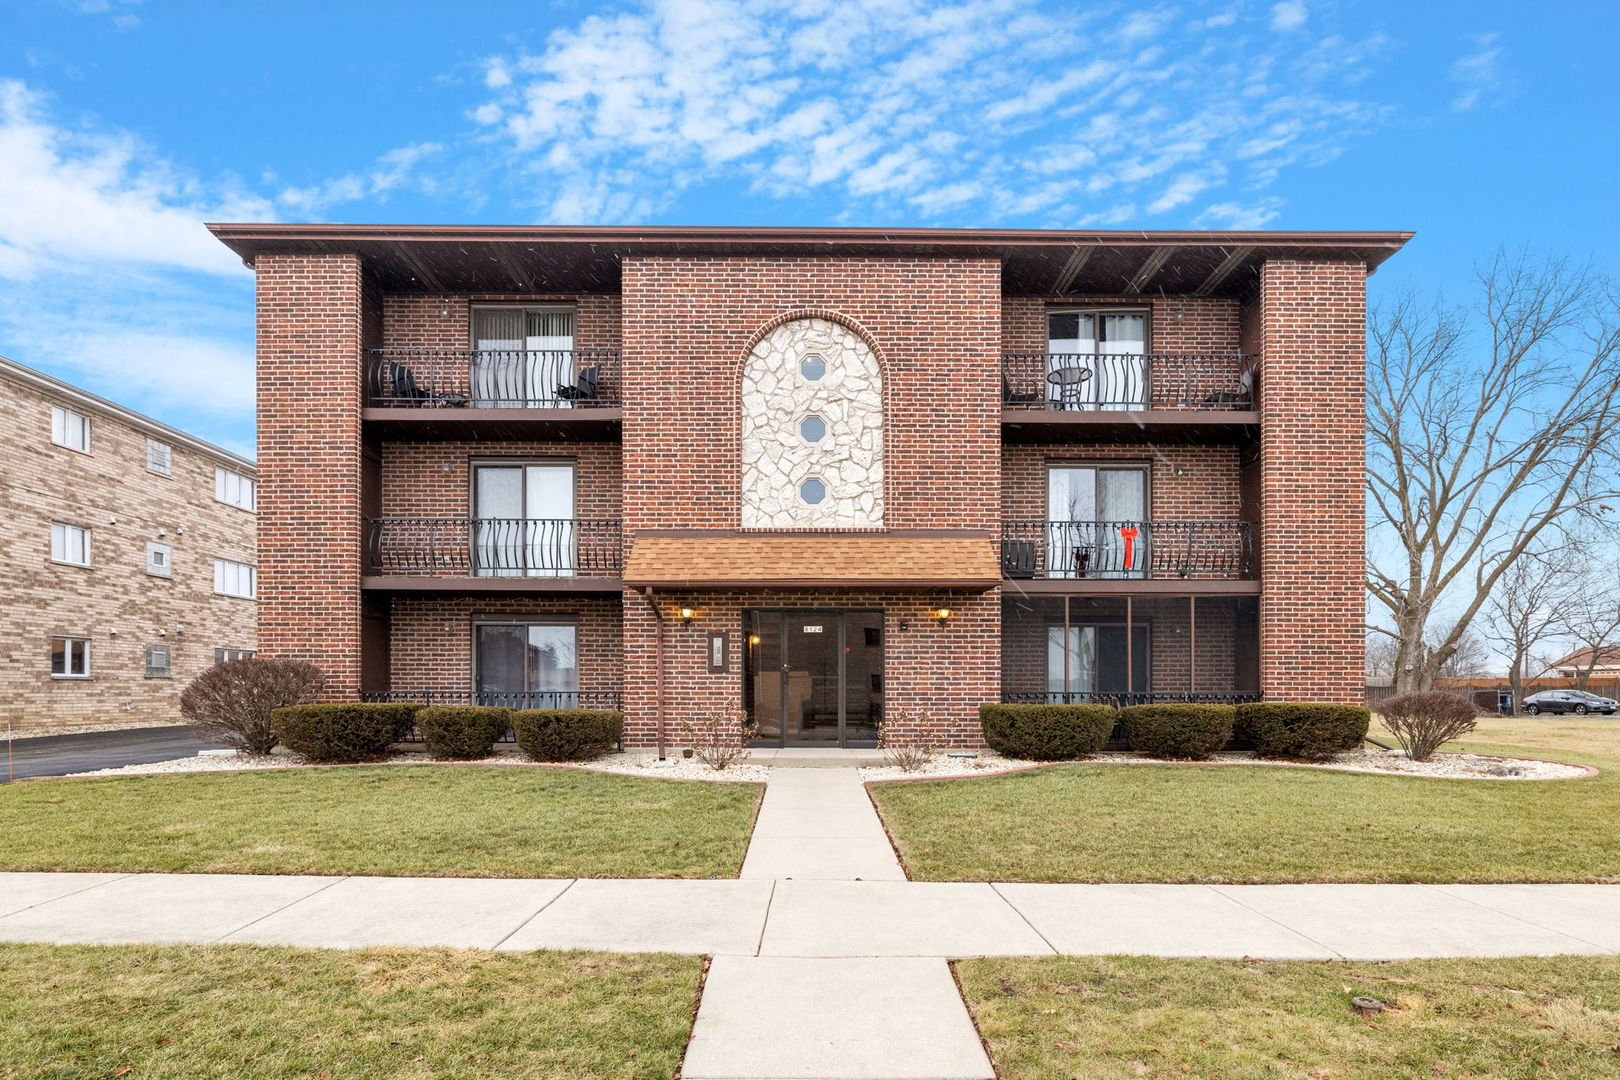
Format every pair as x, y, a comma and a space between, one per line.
1130, 646
658, 658
1192, 645
1066, 640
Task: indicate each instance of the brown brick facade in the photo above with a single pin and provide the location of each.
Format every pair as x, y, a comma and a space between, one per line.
938, 327
1312, 325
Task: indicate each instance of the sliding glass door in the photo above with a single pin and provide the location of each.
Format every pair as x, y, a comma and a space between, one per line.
1094, 521
523, 520
1096, 359
523, 358
527, 665
1092, 660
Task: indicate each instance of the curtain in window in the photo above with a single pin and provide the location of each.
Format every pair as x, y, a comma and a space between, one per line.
524, 358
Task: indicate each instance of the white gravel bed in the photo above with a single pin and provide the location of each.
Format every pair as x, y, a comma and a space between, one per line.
632, 764
1369, 760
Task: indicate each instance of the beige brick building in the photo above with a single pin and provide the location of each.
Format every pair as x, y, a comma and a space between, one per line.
127, 561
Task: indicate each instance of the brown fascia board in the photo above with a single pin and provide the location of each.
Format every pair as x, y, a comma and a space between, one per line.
240, 236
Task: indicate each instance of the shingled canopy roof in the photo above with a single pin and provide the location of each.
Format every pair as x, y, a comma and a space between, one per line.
701, 560
1035, 262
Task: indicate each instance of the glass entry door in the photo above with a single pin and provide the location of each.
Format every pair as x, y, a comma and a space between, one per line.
526, 665
814, 678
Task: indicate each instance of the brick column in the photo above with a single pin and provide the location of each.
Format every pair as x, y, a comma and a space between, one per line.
311, 324
1312, 457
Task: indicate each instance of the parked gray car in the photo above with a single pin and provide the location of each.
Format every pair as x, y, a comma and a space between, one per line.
1560, 702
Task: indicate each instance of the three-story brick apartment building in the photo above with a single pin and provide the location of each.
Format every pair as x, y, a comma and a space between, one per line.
828, 475
126, 563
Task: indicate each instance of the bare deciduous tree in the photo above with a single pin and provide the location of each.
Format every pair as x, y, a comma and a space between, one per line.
1526, 607
1485, 431
1590, 619
1471, 658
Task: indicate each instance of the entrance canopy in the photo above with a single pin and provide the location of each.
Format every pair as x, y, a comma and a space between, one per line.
707, 560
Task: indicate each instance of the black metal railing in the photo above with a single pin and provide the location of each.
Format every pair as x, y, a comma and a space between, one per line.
1127, 381
534, 699
492, 378
1127, 549
494, 547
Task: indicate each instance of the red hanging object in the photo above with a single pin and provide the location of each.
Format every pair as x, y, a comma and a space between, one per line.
1129, 532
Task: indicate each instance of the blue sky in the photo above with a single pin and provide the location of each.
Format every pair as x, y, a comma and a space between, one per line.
126, 123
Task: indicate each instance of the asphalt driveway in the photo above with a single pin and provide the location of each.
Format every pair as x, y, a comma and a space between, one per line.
57, 755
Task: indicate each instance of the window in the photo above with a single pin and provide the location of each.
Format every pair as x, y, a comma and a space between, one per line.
1095, 520
524, 357
70, 544
812, 491
1097, 661
236, 489
70, 658
158, 457
159, 559
813, 367
812, 429
227, 653
526, 664
1096, 359
70, 429
233, 578
524, 521
157, 661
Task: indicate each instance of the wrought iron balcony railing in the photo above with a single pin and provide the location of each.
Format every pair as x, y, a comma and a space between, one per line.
1127, 549
1122, 698
529, 699
494, 547
492, 378
1127, 381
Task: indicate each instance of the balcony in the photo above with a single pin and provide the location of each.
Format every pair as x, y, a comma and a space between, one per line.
494, 554
1081, 396
1129, 556
493, 393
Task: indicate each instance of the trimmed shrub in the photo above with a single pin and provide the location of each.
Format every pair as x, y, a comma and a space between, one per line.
1312, 730
342, 732
462, 732
1178, 731
231, 702
1425, 721
1047, 732
567, 734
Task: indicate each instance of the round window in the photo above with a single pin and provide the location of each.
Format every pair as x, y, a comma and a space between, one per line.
813, 367
812, 491
812, 429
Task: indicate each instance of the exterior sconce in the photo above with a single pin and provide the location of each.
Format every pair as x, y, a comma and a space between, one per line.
687, 614
943, 615
753, 639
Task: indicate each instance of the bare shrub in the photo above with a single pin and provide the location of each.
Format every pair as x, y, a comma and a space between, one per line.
719, 739
1424, 721
903, 738
230, 703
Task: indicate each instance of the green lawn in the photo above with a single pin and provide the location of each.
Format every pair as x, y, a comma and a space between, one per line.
245, 1013
1146, 823
1112, 1018
426, 820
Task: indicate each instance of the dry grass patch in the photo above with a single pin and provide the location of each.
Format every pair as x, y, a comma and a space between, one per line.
248, 1013
415, 820
1123, 1018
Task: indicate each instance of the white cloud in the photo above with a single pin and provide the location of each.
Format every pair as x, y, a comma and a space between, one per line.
1233, 215
1288, 16
1481, 76
904, 109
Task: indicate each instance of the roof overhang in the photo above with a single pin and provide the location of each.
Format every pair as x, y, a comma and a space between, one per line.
700, 559
502, 259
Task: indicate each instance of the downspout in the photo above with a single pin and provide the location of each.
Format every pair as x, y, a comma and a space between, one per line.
658, 658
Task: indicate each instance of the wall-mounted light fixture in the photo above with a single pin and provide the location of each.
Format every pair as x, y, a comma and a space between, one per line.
687, 614
943, 615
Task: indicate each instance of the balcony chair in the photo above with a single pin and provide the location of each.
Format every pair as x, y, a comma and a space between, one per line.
1018, 559
583, 388
1009, 396
406, 390
1242, 395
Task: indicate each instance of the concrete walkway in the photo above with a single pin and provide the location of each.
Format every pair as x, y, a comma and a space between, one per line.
817, 975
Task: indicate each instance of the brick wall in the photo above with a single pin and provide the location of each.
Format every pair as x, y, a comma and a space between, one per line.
948, 670
433, 479
689, 323
114, 602
431, 645
1176, 324
417, 321
1206, 488
312, 310
1311, 321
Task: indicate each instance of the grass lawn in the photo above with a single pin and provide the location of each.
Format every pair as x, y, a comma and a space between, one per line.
244, 1013
1147, 823
1110, 1018
417, 820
